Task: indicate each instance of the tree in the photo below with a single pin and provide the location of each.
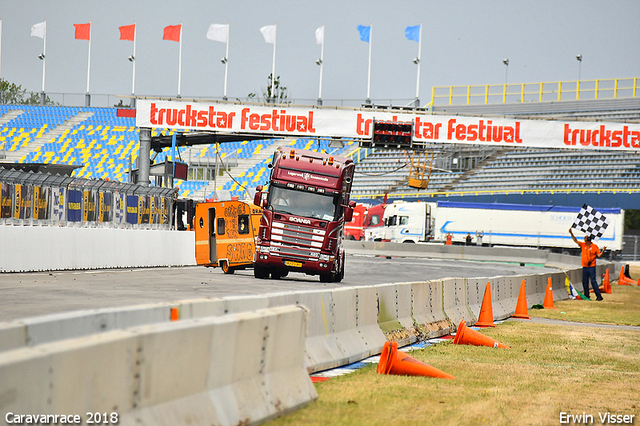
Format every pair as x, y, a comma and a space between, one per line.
10, 93
276, 94
631, 220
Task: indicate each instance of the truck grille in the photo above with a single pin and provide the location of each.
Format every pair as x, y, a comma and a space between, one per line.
296, 241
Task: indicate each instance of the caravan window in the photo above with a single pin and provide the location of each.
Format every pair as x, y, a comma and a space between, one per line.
404, 220
243, 224
392, 221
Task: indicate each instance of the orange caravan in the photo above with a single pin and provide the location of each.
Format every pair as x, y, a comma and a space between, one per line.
225, 234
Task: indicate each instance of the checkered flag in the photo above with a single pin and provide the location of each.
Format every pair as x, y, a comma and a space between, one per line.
591, 222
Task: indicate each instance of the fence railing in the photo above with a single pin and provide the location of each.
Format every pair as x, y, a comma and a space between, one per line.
40, 199
126, 101
535, 92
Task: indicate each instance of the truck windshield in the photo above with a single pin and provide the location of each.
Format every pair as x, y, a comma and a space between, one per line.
300, 203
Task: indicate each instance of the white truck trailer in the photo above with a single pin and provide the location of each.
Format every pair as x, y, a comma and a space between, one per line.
522, 225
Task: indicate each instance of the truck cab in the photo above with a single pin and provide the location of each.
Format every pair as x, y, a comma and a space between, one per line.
304, 212
408, 222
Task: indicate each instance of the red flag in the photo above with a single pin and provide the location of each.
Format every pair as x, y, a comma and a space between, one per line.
83, 31
172, 32
127, 32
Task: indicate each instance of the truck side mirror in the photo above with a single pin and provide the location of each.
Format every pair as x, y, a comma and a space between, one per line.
257, 198
348, 213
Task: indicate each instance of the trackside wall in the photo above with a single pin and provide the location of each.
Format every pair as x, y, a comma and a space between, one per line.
235, 369
45, 248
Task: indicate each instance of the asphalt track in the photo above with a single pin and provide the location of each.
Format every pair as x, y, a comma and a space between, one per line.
34, 294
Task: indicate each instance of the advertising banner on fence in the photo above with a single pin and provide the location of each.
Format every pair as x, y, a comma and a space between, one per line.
74, 205
355, 123
132, 210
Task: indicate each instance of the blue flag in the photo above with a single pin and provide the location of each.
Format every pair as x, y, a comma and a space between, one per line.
365, 32
413, 33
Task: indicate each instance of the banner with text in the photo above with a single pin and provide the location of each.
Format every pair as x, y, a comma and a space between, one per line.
347, 123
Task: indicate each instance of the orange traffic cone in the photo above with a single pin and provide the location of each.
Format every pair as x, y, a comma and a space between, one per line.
393, 361
606, 284
548, 296
623, 280
468, 336
485, 319
521, 306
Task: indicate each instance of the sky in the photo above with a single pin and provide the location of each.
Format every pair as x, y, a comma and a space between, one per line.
464, 43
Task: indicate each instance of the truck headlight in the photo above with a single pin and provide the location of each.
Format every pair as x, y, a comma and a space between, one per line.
325, 257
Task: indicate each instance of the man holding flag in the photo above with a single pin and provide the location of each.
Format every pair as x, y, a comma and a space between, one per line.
590, 252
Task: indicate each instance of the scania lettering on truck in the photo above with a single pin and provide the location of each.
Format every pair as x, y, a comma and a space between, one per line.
304, 212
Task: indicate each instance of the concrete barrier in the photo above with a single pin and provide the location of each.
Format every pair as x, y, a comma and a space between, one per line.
455, 300
394, 313
12, 335
502, 289
441, 251
427, 310
49, 328
236, 369
45, 248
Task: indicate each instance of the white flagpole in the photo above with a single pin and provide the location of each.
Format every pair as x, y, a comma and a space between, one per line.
369, 73
133, 78
44, 53
226, 66
419, 62
180, 61
89, 59
321, 67
273, 70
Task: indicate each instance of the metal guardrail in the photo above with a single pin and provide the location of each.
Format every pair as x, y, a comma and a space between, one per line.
630, 248
360, 154
535, 92
126, 101
41, 199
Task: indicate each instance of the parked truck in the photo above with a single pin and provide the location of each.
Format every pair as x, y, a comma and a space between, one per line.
303, 215
405, 222
525, 225
365, 219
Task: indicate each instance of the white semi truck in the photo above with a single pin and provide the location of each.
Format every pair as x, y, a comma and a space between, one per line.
501, 224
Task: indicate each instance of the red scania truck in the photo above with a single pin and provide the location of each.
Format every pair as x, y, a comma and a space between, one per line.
303, 215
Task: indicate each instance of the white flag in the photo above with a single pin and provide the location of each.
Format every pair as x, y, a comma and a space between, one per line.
218, 32
320, 35
38, 29
269, 33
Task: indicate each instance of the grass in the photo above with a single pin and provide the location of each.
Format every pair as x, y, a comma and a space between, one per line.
548, 370
620, 307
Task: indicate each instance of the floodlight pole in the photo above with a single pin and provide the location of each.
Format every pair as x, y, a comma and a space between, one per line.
44, 61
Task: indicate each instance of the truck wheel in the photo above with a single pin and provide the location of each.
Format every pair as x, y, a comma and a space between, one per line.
327, 278
260, 272
226, 268
276, 275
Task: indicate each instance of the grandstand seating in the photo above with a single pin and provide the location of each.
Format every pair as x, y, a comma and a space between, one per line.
104, 144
